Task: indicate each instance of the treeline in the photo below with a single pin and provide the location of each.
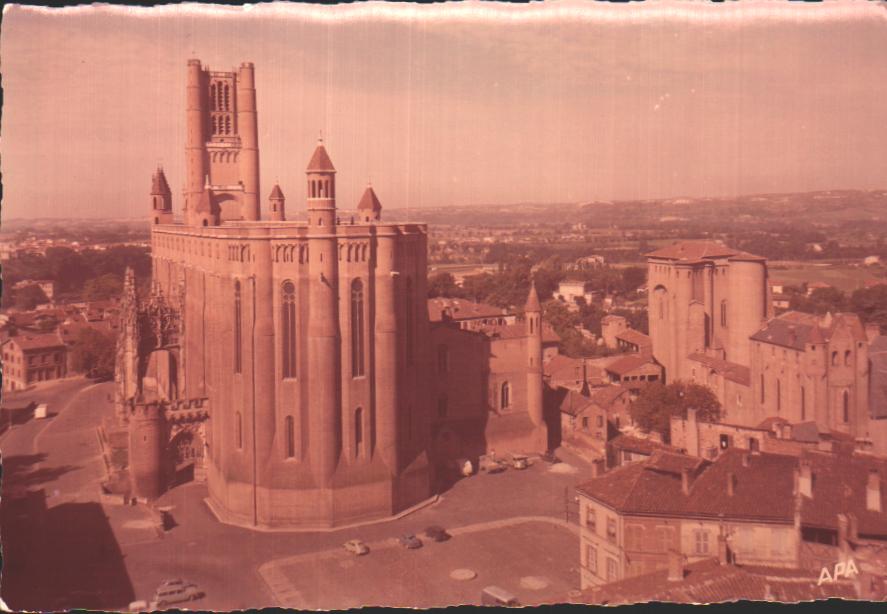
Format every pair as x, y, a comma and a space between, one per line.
870, 304
90, 274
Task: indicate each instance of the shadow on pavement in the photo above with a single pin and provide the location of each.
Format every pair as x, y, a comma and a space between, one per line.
18, 472
61, 558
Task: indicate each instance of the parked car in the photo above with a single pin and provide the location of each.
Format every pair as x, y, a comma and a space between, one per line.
437, 534
172, 582
496, 596
496, 467
519, 461
356, 547
176, 593
410, 542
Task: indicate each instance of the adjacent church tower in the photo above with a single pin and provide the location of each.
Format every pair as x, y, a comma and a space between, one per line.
533, 318
161, 199
221, 150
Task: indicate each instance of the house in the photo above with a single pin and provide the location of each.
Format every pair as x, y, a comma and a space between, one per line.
588, 421
765, 509
572, 373
30, 358
571, 289
633, 371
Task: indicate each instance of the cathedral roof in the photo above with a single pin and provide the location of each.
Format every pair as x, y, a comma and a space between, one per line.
369, 201
700, 250
276, 193
320, 160
159, 184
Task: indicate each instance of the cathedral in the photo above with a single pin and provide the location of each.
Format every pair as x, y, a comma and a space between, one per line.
289, 357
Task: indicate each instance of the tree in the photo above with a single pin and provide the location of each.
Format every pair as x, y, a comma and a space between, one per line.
871, 305
94, 353
633, 278
820, 301
657, 403
443, 284
29, 297
107, 286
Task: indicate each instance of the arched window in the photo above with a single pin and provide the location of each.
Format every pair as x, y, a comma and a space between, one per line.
357, 329
803, 403
845, 397
661, 295
443, 359
442, 403
411, 320
290, 429
505, 396
238, 332
288, 325
227, 98
227, 124
532, 322
834, 358
724, 313
358, 431
847, 357
238, 430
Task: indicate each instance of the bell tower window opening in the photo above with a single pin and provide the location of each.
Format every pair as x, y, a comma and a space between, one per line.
358, 367
290, 437
358, 431
288, 322
505, 396
845, 402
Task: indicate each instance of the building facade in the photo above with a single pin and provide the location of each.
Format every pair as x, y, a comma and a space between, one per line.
307, 344
29, 358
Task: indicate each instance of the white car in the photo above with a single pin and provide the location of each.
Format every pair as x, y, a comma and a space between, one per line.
176, 591
356, 547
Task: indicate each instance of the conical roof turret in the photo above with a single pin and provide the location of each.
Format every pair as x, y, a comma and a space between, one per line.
159, 185
320, 160
533, 299
369, 201
276, 193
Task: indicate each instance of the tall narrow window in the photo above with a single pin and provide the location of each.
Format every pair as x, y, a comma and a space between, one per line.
845, 398
505, 396
357, 329
411, 320
372, 438
847, 358
238, 430
778, 395
358, 431
762, 388
723, 313
442, 406
288, 325
803, 403
238, 315
532, 321
290, 437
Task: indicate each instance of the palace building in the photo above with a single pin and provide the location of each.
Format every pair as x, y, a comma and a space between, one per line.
289, 358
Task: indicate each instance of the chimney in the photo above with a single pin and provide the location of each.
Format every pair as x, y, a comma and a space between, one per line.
597, 467
873, 492
731, 483
685, 480
723, 552
843, 530
675, 566
805, 479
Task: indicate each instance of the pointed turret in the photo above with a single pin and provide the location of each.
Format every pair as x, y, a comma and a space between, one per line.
369, 208
161, 198
277, 204
532, 304
321, 175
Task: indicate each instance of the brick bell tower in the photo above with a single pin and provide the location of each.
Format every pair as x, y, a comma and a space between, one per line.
221, 149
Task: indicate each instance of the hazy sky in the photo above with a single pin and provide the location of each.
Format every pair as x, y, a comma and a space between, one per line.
454, 104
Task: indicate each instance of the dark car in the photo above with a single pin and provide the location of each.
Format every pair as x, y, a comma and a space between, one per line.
437, 534
410, 542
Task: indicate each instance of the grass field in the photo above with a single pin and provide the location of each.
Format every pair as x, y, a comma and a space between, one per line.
842, 276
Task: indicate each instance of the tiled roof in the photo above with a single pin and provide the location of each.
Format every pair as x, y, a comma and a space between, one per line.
707, 581
461, 309
764, 490
38, 341
159, 184
636, 337
699, 250
320, 160
630, 362
564, 368
637, 444
532, 303
605, 396
574, 403
795, 329
728, 370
